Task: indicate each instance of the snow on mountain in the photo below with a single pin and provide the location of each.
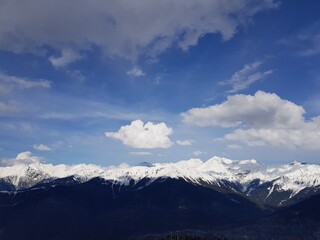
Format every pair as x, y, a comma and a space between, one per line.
194, 170
26, 175
294, 177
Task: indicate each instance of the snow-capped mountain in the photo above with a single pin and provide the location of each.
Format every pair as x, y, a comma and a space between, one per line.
23, 176
266, 185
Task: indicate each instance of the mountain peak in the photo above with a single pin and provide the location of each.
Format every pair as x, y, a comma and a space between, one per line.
295, 163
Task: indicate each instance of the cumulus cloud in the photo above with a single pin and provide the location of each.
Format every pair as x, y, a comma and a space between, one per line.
260, 120
143, 135
136, 72
67, 56
120, 28
306, 137
184, 142
41, 147
261, 110
27, 157
248, 75
22, 158
9, 83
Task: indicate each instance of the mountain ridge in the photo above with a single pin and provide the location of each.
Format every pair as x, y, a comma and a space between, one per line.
101, 209
273, 186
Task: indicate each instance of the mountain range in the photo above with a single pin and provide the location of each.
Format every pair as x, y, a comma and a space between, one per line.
224, 197
268, 186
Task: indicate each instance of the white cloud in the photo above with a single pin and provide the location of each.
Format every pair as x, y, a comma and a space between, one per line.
136, 72
22, 158
248, 75
141, 153
140, 135
67, 56
260, 120
306, 137
184, 142
120, 28
9, 83
41, 147
261, 110
27, 157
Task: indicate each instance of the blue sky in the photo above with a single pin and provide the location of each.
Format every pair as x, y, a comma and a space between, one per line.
107, 82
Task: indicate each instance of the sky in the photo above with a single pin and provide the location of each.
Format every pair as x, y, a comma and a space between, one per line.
115, 81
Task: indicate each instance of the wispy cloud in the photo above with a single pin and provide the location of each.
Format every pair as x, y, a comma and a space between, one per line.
184, 142
141, 153
136, 72
198, 153
9, 83
234, 147
314, 45
304, 43
41, 147
76, 75
243, 78
9, 107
